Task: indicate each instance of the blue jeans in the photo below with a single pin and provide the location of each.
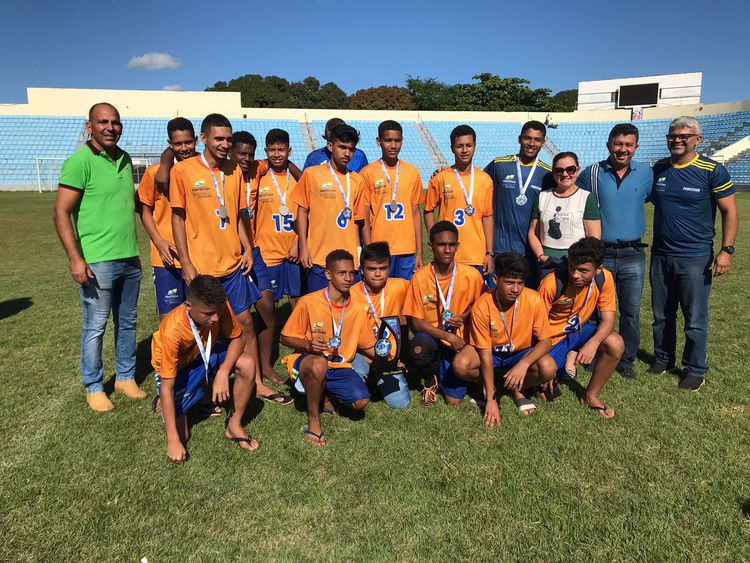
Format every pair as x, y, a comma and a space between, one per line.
684, 282
114, 288
395, 394
628, 267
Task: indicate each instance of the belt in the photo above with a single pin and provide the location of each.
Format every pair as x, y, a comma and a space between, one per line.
626, 244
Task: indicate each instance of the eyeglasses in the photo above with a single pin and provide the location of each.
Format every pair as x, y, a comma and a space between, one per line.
570, 170
683, 137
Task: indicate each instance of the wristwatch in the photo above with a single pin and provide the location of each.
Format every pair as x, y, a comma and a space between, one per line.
728, 249
488, 253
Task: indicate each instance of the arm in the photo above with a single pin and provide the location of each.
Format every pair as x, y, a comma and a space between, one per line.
488, 225
66, 201
161, 179
517, 374
417, 219
163, 246
593, 228
176, 451
729, 223
300, 226
296, 172
367, 228
220, 386
491, 410
588, 351
315, 346
534, 243
429, 219
180, 241
247, 246
420, 325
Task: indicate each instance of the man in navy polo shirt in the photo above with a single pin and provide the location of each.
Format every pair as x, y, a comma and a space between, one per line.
518, 179
622, 186
687, 190
321, 155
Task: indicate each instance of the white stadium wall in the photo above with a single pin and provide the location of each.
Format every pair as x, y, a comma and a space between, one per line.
673, 90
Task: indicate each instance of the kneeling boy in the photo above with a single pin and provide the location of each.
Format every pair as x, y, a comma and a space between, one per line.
326, 329
437, 305
185, 354
509, 333
572, 294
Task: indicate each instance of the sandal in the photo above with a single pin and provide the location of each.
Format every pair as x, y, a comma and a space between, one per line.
313, 438
249, 441
525, 405
274, 398
430, 394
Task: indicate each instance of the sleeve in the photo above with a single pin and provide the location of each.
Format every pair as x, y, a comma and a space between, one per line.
301, 193
176, 189
230, 328
606, 299
433, 194
308, 161
366, 188
535, 209
262, 169
359, 198
413, 301
547, 290
417, 194
540, 327
477, 285
296, 324
721, 183
591, 210
548, 181
146, 189
490, 170
487, 199
170, 355
584, 179
75, 173
362, 160
479, 334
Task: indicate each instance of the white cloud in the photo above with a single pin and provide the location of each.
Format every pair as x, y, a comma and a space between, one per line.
154, 61
173, 87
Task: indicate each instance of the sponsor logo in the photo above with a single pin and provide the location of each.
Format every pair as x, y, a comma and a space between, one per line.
509, 177
199, 184
379, 183
318, 325
689, 189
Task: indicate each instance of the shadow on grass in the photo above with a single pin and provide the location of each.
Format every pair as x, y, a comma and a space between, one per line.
143, 365
14, 306
646, 357
745, 507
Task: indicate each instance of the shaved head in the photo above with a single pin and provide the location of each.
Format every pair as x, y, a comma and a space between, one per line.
101, 105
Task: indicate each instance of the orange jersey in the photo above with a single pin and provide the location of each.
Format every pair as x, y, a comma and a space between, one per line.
389, 302
444, 191
274, 232
394, 227
148, 195
173, 346
313, 318
423, 299
526, 324
213, 243
572, 309
327, 230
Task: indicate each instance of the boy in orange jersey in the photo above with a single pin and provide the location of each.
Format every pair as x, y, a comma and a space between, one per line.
572, 294
437, 305
186, 356
509, 335
329, 200
326, 329
391, 198
156, 216
204, 192
382, 296
463, 193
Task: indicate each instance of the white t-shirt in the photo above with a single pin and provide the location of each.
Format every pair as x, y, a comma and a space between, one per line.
562, 217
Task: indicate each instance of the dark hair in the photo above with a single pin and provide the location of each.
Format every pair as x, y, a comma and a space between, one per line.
277, 136
462, 131
207, 290
623, 129
441, 227
214, 120
389, 125
330, 124
511, 265
536, 126
336, 256
345, 134
589, 249
375, 252
565, 154
93, 108
180, 124
244, 138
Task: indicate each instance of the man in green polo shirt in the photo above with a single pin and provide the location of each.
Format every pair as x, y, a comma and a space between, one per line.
95, 220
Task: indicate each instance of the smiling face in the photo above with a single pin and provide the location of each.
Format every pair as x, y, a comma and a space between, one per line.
681, 142
531, 142
105, 127
565, 172
182, 144
244, 155
278, 155
218, 141
622, 149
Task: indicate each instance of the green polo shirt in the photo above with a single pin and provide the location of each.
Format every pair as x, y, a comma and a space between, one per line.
105, 218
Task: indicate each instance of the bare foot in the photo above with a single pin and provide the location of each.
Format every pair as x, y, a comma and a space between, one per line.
273, 376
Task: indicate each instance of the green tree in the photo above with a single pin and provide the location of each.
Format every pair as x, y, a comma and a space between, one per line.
276, 92
493, 93
429, 94
565, 100
382, 98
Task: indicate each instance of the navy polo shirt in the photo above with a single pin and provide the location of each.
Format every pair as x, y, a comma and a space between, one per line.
319, 156
621, 202
684, 198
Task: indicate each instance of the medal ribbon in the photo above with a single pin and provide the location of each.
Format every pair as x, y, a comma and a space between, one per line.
205, 352
341, 188
512, 323
336, 327
372, 306
278, 189
446, 301
523, 186
394, 187
219, 195
470, 195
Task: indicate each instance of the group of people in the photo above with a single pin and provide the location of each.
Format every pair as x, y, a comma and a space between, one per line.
529, 264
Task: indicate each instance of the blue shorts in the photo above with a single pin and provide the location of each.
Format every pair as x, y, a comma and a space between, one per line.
572, 341
259, 272
241, 291
190, 380
170, 289
343, 383
402, 266
506, 360
316, 279
488, 281
393, 388
286, 279
450, 385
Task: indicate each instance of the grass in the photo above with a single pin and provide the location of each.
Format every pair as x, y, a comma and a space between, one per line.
668, 479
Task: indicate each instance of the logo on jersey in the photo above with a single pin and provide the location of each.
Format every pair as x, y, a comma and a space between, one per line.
574, 324
379, 183
199, 184
509, 178
428, 298
172, 291
318, 325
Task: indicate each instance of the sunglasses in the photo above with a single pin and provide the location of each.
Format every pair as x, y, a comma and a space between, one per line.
570, 170
672, 137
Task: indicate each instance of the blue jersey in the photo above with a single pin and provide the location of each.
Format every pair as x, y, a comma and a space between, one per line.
684, 200
511, 218
319, 156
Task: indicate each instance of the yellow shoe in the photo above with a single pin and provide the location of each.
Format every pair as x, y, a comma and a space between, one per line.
130, 389
99, 402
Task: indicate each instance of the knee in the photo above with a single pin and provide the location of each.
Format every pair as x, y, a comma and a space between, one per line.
315, 368
245, 319
547, 367
462, 365
361, 404
452, 401
398, 400
614, 345
245, 366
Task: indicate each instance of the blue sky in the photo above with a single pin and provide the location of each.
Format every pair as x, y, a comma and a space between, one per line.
89, 45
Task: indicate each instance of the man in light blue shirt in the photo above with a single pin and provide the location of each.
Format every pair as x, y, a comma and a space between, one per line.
622, 186
319, 156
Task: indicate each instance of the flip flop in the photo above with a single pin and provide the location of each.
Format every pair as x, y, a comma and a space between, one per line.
273, 398
320, 439
569, 374
248, 440
602, 411
210, 410
525, 405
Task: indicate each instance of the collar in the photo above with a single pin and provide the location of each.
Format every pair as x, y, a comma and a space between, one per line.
686, 164
97, 152
607, 165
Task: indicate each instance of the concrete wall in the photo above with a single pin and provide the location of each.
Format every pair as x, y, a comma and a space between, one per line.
674, 90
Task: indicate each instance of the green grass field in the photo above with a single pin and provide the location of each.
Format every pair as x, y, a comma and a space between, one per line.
668, 479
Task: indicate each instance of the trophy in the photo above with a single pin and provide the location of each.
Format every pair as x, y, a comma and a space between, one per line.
387, 353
